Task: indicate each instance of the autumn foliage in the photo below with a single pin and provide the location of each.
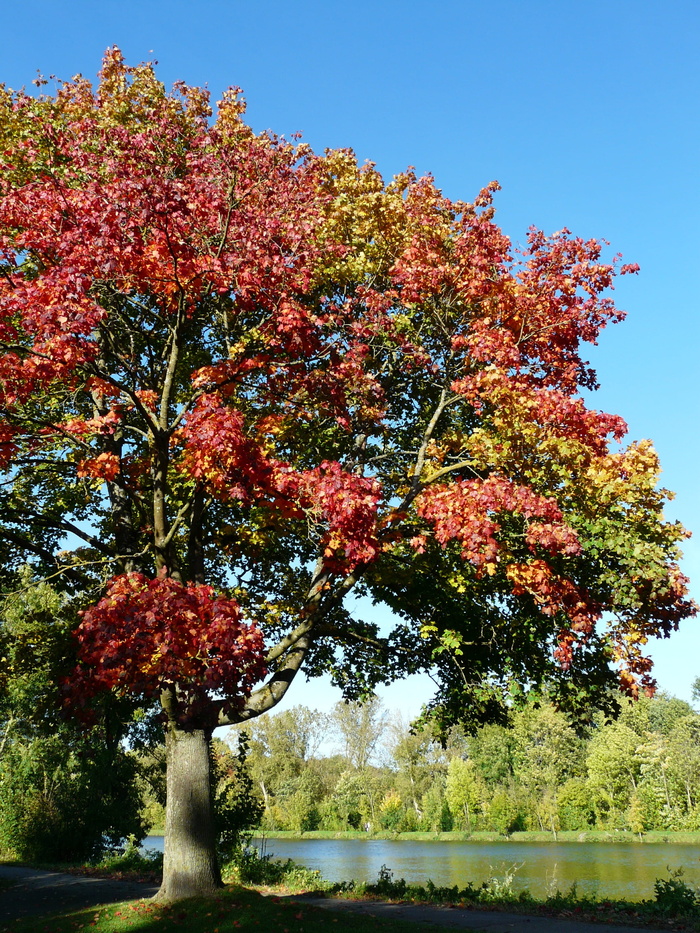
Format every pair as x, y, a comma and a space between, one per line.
145, 636
248, 380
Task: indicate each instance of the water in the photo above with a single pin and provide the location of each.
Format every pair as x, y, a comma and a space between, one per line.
601, 869
156, 843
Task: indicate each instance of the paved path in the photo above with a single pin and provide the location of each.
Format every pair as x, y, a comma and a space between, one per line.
37, 893
457, 918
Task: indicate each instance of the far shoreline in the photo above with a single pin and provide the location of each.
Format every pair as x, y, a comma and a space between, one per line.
569, 836
656, 837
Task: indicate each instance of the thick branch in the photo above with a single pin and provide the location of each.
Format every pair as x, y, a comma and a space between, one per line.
270, 695
427, 437
461, 465
295, 646
195, 541
289, 641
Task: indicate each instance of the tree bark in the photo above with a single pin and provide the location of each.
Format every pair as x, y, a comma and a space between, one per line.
190, 867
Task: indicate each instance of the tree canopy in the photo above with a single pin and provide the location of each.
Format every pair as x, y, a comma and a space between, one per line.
239, 381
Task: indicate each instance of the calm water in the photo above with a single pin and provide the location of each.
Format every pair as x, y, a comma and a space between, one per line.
602, 869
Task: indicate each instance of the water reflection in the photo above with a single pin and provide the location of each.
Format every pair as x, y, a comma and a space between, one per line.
603, 869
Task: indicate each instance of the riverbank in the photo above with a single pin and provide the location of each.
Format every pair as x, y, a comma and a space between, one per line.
63, 903
593, 835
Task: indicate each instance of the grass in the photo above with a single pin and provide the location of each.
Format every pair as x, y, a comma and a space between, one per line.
234, 910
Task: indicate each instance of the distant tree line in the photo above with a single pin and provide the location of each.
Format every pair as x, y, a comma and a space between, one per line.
361, 768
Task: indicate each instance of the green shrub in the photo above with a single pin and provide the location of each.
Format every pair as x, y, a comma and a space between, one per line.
132, 859
251, 867
67, 790
674, 897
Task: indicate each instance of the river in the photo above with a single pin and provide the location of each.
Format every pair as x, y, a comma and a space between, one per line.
623, 870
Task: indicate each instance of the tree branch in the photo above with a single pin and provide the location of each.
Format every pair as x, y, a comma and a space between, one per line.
29, 544
295, 646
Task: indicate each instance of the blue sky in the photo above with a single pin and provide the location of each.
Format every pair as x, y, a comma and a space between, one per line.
587, 114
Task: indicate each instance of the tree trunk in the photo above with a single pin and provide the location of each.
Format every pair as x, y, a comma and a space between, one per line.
190, 866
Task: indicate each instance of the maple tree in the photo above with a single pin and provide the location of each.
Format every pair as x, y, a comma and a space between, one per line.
240, 381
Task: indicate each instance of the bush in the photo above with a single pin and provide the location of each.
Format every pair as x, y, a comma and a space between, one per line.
387, 887
45, 785
496, 889
67, 791
132, 860
674, 897
503, 812
391, 812
251, 867
409, 822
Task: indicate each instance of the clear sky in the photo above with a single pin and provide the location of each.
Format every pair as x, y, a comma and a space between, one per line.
586, 113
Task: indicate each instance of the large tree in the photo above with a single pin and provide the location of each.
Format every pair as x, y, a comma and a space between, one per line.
240, 381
